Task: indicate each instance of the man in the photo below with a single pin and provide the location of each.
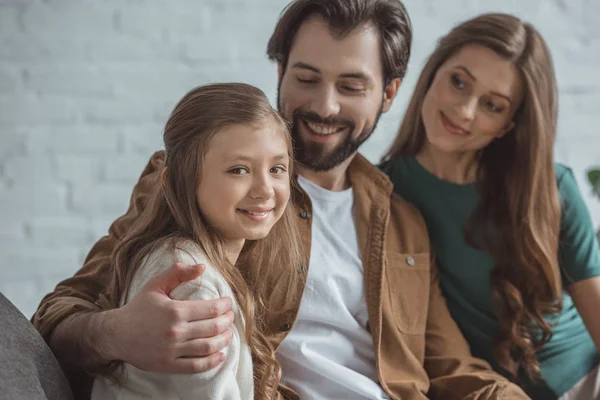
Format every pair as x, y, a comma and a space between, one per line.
372, 323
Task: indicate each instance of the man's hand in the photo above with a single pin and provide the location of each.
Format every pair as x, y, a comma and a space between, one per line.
158, 334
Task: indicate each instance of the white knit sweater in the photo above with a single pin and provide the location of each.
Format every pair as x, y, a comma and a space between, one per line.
231, 380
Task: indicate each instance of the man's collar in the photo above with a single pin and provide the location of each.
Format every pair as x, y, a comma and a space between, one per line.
364, 176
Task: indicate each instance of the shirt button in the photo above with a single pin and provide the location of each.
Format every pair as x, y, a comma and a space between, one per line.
304, 214
285, 327
410, 261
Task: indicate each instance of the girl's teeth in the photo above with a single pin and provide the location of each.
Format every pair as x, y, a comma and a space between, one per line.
257, 214
321, 130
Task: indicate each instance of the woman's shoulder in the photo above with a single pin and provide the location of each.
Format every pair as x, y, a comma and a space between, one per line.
568, 189
401, 172
563, 172
394, 166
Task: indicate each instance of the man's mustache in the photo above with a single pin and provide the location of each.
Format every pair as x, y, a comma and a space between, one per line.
313, 117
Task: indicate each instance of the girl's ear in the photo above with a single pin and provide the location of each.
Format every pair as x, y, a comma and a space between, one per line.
163, 176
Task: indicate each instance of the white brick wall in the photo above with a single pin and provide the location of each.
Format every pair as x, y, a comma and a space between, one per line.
85, 87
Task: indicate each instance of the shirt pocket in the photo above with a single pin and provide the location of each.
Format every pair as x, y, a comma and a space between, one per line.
408, 278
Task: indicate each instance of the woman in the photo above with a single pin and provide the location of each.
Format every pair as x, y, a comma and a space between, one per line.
519, 261
222, 202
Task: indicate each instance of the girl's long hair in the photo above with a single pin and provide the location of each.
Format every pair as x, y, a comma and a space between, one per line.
518, 216
173, 216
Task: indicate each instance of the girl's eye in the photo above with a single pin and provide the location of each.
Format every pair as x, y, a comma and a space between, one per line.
238, 171
457, 82
278, 170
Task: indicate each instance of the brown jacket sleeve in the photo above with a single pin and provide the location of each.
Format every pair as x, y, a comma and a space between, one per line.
454, 373
82, 292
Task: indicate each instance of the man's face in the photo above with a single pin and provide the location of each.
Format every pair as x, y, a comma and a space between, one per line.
332, 91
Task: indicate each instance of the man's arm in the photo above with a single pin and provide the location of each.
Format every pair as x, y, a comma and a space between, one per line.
77, 321
82, 292
151, 332
453, 372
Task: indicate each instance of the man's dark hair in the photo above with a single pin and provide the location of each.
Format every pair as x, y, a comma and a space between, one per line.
388, 16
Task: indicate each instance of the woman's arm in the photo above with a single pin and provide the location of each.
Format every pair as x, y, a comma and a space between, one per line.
586, 296
579, 253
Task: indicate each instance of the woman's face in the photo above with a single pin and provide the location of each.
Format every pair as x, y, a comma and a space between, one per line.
244, 184
472, 100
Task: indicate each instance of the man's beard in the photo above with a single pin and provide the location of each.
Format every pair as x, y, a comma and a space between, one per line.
313, 155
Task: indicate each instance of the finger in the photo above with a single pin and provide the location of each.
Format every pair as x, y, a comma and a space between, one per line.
170, 278
198, 364
205, 346
208, 328
199, 310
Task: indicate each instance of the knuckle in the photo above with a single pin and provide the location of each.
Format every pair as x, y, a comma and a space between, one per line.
215, 328
230, 317
178, 267
206, 347
173, 333
175, 314
210, 348
213, 310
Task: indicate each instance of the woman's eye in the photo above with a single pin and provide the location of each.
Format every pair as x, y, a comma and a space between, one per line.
457, 82
238, 171
278, 170
493, 107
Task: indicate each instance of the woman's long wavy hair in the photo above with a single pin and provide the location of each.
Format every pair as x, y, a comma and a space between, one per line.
518, 217
173, 216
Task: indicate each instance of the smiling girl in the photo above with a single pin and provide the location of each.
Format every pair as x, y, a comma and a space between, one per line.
222, 202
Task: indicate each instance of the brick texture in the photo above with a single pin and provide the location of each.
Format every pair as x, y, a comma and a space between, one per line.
86, 86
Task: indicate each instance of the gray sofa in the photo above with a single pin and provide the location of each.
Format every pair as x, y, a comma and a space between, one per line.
28, 369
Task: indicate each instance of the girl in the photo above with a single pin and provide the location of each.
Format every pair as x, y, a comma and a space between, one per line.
519, 261
222, 202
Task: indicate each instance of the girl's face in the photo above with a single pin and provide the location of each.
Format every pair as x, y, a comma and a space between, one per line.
244, 182
472, 100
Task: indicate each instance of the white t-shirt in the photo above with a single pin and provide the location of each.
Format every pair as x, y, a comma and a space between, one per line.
329, 353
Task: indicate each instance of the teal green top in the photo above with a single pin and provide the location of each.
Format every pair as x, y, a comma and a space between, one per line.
465, 271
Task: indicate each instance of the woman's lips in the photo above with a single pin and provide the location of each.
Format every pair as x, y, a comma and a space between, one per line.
451, 127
